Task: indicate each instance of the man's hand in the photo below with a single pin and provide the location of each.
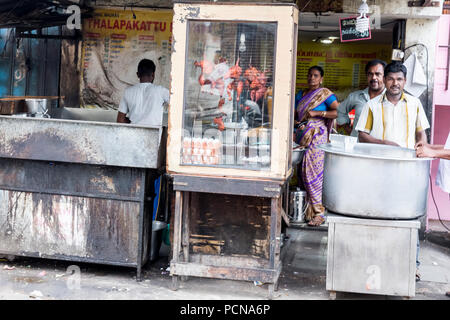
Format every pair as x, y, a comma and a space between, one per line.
122, 118
424, 150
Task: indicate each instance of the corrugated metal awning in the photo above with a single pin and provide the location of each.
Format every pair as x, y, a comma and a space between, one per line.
34, 14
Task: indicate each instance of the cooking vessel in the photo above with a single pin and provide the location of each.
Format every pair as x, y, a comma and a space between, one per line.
297, 155
37, 106
375, 181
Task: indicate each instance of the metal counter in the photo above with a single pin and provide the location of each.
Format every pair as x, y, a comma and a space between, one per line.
78, 190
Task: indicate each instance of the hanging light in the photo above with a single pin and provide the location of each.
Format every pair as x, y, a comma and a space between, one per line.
242, 46
362, 22
326, 41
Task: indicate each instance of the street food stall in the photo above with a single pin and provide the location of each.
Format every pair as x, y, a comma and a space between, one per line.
375, 195
230, 138
75, 185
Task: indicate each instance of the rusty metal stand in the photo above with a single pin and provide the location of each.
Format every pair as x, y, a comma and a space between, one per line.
221, 266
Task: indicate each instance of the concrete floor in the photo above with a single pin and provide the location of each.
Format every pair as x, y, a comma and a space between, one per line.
303, 278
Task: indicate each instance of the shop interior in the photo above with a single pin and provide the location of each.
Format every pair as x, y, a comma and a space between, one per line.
319, 43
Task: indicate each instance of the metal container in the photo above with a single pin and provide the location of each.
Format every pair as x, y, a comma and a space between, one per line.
37, 106
297, 205
297, 155
375, 181
156, 240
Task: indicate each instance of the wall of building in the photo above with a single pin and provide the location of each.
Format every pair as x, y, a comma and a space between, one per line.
441, 118
396, 7
417, 36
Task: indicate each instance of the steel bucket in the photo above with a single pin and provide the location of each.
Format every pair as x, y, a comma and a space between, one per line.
37, 106
297, 204
375, 181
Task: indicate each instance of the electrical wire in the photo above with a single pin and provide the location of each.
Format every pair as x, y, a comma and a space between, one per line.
435, 204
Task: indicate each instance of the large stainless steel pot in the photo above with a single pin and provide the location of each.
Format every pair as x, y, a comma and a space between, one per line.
375, 181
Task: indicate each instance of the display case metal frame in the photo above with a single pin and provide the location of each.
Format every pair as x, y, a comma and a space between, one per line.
245, 184
245, 267
286, 17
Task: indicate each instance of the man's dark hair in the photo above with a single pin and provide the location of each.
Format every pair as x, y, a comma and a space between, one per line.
374, 62
146, 67
318, 68
394, 67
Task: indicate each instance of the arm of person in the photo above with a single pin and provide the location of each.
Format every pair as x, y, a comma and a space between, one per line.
425, 150
166, 96
122, 118
364, 137
122, 111
421, 136
332, 106
421, 125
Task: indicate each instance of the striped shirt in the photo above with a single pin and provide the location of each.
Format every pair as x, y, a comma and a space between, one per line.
397, 123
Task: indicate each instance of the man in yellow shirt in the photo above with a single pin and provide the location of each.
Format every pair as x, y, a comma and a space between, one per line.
394, 118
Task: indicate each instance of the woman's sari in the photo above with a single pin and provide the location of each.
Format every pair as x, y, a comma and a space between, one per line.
315, 132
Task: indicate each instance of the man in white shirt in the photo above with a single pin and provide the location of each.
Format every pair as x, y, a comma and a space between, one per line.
143, 103
358, 99
394, 118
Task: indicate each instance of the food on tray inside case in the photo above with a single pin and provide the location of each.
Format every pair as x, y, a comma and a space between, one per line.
229, 75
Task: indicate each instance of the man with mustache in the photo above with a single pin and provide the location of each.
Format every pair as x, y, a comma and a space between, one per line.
393, 118
358, 99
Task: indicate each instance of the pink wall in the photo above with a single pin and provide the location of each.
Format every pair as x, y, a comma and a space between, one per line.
441, 118
441, 130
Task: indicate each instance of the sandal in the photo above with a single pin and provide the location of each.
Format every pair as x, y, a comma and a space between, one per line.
316, 221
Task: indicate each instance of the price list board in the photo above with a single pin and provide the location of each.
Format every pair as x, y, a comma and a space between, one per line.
114, 41
343, 63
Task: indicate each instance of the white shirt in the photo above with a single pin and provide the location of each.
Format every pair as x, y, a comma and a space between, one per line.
443, 174
143, 103
355, 100
398, 123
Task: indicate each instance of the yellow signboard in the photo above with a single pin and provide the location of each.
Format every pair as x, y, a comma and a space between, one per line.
114, 41
343, 63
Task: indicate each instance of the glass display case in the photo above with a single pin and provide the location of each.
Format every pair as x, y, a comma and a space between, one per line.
233, 78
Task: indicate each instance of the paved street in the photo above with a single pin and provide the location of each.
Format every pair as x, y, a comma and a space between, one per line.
303, 278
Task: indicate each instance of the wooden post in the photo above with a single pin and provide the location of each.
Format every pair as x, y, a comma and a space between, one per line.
177, 234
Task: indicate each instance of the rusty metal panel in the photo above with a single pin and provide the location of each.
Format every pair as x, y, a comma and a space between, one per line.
81, 142
54, 225
71, 179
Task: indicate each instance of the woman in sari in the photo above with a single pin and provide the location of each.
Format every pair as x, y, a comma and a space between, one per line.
316, 108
